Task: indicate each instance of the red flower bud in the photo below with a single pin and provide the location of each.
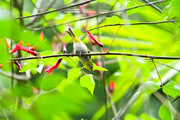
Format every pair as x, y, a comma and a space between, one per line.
18, 65
1, 65
41, 35
35, 90
84, 27
33, 52
112, 86
90, 13
64, 47
81, 9
98, 64
91, 42
49, 70
28, 45
17, 47
34, 47
5, 40
93, 38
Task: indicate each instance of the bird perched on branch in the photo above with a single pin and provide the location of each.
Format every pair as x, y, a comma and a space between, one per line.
78, 48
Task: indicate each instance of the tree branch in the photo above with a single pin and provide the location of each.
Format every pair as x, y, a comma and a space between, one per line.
142, 23
43, 13
152, 5
103, 53
15, 76
101, 14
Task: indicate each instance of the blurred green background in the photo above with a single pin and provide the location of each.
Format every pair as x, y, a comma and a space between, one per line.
32, 94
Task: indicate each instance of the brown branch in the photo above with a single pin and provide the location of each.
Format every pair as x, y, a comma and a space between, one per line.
142, 23
152, 5
103, 53
101, 14
15, 76
167, 66
59, 9
159, 77
113, 39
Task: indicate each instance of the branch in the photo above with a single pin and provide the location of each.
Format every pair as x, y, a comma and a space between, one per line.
101, 14
142, 23
59, 9
15, 76
104, 53
152, 5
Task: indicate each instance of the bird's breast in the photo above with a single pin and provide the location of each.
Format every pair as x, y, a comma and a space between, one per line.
80, 48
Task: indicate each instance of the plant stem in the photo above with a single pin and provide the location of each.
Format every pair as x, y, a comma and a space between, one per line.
60, 9
142, 23
101, 53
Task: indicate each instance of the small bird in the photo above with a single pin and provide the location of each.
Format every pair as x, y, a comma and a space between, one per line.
78, 48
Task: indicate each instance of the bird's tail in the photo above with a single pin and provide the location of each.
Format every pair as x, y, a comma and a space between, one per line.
70, 32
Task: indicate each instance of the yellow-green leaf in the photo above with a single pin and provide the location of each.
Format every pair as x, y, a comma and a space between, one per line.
87, 81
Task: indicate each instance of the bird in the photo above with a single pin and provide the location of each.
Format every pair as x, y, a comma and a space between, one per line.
79, 48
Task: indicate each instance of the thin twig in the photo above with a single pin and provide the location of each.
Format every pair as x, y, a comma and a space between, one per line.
152, 5
78, 65
109, 10
175, 99
142, 23
101, 14
167, 66
159, 77
38, 10
103, 53
112, 103
114, 38
59, 9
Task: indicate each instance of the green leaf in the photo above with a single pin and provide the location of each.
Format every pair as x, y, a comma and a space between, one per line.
74, 73
150, 87
172, 10
51, 81
113, 19
172, 89
95, 67
145, 116
23, 89
4, 55
166, 111
87, 81
130, 117
27, 67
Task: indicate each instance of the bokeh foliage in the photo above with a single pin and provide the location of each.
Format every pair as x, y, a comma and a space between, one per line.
66, 94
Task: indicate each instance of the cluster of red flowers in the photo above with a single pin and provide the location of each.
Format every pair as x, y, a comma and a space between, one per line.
23, 48
82, 9
20, 46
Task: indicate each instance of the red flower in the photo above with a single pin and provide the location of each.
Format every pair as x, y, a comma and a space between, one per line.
35, 90
41, 35
31, 48
84, 27
93, 38
49, 70
91, 41
98, 64
112, 86
17, 47
1, 65
90, 13
18, 65
81, 9
64, 47
6, 43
